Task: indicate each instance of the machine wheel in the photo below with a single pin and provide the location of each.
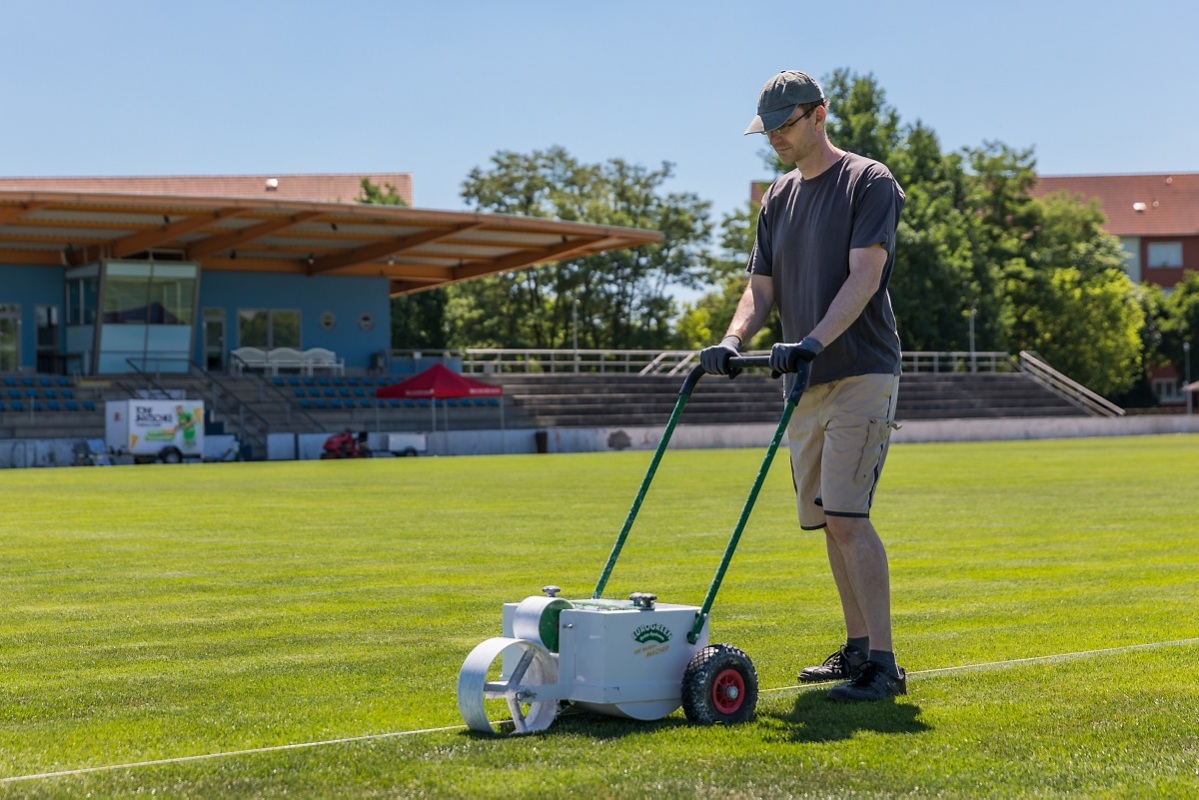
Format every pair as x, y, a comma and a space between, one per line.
171, 455
503, 675
720, 685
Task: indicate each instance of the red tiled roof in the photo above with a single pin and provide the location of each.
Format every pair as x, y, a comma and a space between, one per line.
1136, 205
346, 188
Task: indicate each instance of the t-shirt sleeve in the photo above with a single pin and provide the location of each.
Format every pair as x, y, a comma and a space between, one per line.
761, 256
876, 213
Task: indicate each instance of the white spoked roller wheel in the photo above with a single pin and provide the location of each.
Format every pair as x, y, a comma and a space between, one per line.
505, 676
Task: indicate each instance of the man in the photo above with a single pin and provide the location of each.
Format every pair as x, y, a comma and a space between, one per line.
824, 252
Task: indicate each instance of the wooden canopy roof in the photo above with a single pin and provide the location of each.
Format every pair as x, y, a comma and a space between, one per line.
415, 249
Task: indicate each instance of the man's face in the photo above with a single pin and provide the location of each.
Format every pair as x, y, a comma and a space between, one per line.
796, 137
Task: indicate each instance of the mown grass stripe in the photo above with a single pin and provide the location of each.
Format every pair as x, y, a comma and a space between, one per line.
1014, 662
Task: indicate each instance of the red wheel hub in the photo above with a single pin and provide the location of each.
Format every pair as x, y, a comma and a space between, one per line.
728, 691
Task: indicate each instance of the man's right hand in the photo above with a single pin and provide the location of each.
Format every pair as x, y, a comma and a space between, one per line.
715, 359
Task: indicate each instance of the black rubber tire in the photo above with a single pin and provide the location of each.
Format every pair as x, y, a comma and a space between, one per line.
720, 686
171, 455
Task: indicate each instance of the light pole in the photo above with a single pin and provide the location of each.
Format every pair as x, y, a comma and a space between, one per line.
1186, 381
973, 359
575, 321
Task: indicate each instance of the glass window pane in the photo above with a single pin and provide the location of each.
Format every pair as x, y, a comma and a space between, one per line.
10, 337
127, 293
285, 329
252, 330
1165, 254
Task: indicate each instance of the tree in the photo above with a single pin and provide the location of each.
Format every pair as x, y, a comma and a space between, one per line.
417, 320
861, 121
706, 319
385, 195
1180, 324
1069, 298
622, 298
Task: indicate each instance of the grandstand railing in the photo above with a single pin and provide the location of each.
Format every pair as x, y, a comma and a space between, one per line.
486, 360
1073, 391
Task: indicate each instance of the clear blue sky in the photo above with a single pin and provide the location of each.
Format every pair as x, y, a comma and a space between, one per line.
143, 87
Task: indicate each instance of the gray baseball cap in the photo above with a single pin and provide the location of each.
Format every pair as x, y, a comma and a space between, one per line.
780, 96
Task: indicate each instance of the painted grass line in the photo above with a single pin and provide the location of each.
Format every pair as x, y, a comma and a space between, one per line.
1050, 659
1014, 662
229, 754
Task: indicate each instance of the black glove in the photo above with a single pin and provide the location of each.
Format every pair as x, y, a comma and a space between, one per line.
715, 359
786, 357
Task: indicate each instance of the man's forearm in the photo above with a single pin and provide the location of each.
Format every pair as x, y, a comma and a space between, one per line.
753, 309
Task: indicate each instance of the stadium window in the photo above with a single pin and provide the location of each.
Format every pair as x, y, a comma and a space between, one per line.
268, 328
83, 291
1165, 255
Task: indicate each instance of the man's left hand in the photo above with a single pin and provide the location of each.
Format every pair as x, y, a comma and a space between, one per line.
786, 357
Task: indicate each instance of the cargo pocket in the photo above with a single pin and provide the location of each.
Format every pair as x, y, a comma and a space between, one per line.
872, 451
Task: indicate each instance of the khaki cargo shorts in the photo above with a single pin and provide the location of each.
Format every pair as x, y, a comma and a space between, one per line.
838, 435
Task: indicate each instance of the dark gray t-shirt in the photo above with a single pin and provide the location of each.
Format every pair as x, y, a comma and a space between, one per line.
805, 232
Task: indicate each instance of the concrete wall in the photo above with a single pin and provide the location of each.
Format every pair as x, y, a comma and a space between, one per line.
48, 453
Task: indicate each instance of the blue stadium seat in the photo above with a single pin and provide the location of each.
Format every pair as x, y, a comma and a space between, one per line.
8, 381
88, 405
14, 394
53, 405
45, 382
71, 405
17, 405
49, 394
68, 394
393, 402
64, 383
299, 392
27, 381
2, 406
305, 404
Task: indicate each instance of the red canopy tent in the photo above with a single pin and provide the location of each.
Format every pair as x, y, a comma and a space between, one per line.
441, 383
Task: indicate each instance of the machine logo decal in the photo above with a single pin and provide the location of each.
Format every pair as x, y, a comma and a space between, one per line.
652, 633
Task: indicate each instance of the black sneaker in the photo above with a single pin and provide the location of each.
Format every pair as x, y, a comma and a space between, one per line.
840, 666
871, 683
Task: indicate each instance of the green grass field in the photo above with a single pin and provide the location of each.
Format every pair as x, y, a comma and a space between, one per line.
297, 628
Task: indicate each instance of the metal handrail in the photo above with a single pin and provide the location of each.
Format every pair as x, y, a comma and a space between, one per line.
1066, 388
673, 362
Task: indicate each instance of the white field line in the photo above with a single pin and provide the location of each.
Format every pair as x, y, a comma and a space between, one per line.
398, 734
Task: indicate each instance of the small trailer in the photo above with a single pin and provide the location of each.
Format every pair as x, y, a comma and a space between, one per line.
155, 430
